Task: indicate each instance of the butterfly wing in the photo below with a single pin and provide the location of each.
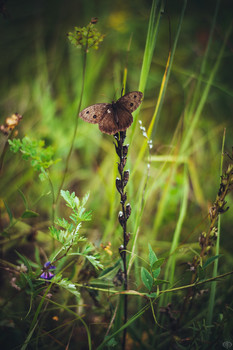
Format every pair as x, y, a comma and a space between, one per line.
94, 114
124, 119
130, 101
108, 123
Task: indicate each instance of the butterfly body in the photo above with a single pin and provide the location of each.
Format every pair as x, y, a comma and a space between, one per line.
113, 117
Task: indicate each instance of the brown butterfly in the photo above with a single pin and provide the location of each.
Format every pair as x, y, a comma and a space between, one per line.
113, 117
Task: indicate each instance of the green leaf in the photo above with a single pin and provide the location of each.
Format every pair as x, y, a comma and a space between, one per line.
211, 260
157, 263
69, 198
85, 199
39, 155
9, 212
86, 216
152, 256
23, 198
201, 273
66, 284
94, 261
147, 279
157, 282
151, 295
29, 214
156, 272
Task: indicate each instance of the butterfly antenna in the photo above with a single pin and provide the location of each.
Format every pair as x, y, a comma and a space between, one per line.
106, 97
126, 66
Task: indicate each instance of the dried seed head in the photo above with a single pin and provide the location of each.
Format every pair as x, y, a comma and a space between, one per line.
125, 150
121, 248
120, 167
128, 210
127, 238
118, 185
125, 177
121, 218
119, 278
202, 239
118, 151
123, 161
94, 20
123, 197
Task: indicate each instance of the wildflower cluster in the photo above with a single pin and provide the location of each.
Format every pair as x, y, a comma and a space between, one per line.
86, 37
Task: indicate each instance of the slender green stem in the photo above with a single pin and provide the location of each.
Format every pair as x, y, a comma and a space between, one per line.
76, 124
53, 197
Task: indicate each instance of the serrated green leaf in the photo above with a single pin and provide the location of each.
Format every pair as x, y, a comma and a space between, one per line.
29, 214
94, 261
147, 279
85, 199
152, 256
211, 260
86, 216
68, 285
70, 199
64, 224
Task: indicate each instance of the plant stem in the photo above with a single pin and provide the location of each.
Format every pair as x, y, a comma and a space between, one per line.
76, 121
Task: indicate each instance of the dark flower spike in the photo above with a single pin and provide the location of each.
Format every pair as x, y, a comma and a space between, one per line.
47, 275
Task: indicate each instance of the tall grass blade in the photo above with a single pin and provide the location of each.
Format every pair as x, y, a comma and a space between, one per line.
152, 33
155, 118
204, 95
171, 263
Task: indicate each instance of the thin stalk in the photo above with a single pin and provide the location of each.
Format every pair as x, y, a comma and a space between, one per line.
53, 197
75, 125
170, 266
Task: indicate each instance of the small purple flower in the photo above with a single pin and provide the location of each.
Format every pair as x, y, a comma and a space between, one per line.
47, 275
